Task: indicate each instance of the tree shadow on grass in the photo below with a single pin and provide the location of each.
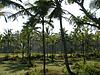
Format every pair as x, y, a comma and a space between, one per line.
15, 66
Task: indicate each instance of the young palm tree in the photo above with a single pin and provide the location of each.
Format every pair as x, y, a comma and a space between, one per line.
53, 39
27, 33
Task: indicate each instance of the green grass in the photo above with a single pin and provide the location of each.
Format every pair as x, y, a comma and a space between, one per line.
56, 68
2, 55
16, 68
11, 68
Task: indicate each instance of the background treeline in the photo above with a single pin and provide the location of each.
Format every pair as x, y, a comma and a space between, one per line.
79, 40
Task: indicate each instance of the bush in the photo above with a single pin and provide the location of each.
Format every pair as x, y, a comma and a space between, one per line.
86, 69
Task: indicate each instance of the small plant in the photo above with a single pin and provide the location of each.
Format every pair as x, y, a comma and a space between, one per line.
65, 71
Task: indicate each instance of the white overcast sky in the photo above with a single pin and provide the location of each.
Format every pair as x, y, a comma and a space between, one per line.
17, 24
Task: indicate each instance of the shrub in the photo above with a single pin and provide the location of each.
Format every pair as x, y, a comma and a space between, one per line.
86, 69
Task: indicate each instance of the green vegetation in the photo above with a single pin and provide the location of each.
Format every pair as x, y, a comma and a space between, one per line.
43, 52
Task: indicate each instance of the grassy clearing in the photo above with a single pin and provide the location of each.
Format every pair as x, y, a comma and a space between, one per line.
56, 68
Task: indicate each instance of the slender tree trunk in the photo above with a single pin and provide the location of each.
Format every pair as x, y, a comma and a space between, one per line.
64, 45
84, 47
29, 51
8, 49
97, 43
47, 52
22, 52
43, 40
52, 53
84, 58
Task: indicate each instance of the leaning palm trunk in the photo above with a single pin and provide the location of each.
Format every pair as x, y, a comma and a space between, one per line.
64, 45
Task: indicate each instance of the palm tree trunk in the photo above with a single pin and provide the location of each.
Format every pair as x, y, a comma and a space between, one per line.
52, 53
22, 54
43, 39
47, 50
64, 45
84, 58
29, 51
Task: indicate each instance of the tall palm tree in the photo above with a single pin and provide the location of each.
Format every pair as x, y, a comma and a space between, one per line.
42, 7
57, 13
37, 12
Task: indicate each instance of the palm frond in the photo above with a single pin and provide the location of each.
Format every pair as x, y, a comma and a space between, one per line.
95, 4
3, 14
29, 4
20, 13
5, 18
11, 3
57, 9
32, 21
20, 0
49, 23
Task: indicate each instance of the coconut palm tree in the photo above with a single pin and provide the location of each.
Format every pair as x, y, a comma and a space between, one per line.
27, 35
53, 39
47, 36
42, 7
37, 12
57, 13
27, 31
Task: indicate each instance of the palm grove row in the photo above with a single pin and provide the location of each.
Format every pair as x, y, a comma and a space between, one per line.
43, 12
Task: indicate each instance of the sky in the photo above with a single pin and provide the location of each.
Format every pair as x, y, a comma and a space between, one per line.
17, 24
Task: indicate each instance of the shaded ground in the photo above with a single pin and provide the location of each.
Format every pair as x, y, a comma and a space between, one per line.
15, 68
12, 68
